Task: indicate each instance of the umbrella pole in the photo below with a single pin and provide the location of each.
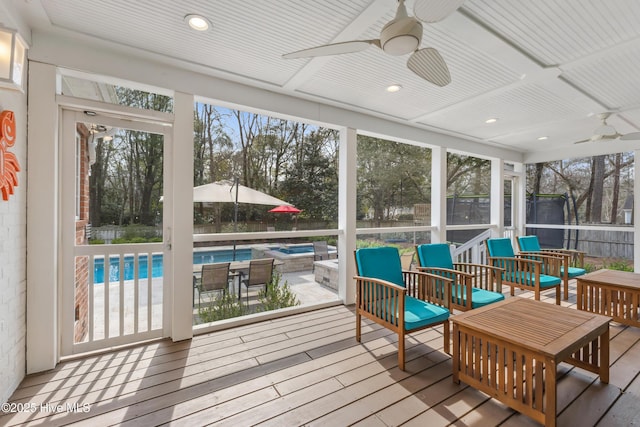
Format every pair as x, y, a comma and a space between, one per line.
235, 219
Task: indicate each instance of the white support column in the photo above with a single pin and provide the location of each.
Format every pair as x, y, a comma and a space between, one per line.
439, 194
180, 172
519, 207
347, 192
42, 220
497, 197
636, 213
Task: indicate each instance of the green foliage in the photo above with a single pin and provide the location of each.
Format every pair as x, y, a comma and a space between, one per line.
276, 296
590, 267
226, 305
391, 175
123, 240
619, 265
96, 241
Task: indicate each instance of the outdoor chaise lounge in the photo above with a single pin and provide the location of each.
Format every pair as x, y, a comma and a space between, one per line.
474, 285
525, 271
402, 301
572, 260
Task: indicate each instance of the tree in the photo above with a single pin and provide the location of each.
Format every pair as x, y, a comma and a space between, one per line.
597, 184
311, 181
391, 176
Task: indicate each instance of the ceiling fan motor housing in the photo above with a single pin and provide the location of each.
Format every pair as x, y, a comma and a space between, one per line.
401, 36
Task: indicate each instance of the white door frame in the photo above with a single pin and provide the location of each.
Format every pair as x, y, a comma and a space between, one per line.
120, 117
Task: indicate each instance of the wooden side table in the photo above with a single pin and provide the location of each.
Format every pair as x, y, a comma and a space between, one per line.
511, 349
611, 293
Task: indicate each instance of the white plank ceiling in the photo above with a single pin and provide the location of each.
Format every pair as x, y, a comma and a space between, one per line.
543, 68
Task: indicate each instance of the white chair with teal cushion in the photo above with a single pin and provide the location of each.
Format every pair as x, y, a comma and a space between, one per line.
572, 260
402, 301
474, 285
525, 271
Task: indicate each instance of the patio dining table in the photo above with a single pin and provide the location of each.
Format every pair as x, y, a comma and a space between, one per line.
236, 269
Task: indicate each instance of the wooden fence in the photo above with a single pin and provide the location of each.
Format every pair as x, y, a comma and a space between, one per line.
607, 243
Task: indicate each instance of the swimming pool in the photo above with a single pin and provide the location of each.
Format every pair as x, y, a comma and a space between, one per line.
203, 257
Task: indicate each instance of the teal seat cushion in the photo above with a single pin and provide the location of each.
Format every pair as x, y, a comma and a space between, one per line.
529, 244
481, 297
435, 255
527, 279
380, 263
573, 272
418, 313
500, 247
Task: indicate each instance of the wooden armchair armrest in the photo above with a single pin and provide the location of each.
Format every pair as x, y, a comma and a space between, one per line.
456, 275
576, 256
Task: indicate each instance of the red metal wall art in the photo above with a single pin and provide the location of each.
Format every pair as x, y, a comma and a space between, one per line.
9, 165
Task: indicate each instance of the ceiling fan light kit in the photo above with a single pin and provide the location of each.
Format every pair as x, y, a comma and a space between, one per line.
400, 36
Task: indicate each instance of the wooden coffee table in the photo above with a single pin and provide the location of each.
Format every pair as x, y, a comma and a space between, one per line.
511, 349
612, 293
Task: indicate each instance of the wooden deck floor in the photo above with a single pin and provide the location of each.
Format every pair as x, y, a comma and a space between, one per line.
306, 369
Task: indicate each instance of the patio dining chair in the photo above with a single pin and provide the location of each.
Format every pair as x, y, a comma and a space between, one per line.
213, 278
572, 260
320, 250
525, 271
401, 301
474, 285
259, 274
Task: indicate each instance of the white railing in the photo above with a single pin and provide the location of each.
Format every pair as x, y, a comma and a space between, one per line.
117, 298
472, 251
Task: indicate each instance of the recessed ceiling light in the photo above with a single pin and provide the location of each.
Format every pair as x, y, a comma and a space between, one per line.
542, 138
197, 22
394, 88
489, 121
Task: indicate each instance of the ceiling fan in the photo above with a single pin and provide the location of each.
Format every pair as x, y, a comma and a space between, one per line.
608, 132
400, 36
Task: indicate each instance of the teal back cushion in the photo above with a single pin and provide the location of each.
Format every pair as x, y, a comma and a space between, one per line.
529, 243
380, 263
435, 255
500, 247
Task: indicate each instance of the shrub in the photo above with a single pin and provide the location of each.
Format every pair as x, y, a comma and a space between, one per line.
276, 296
619, 265
224, 306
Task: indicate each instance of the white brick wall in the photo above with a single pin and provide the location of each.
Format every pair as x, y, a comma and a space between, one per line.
13, 250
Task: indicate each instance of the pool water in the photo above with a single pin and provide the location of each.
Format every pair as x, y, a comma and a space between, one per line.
204, 257
296, 249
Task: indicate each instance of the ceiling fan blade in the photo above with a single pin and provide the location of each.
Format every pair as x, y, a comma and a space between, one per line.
333, 49
428, 64
630, 136
435, 10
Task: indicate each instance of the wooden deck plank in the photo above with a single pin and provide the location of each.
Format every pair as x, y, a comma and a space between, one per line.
308, 369
624, 412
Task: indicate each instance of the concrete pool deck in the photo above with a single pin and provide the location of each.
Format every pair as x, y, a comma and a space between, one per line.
302, 283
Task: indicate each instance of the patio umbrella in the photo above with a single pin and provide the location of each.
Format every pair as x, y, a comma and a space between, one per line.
286, 209
232, 192
225, 191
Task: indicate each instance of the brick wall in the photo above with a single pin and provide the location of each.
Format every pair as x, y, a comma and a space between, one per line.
82, 263
13, 252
